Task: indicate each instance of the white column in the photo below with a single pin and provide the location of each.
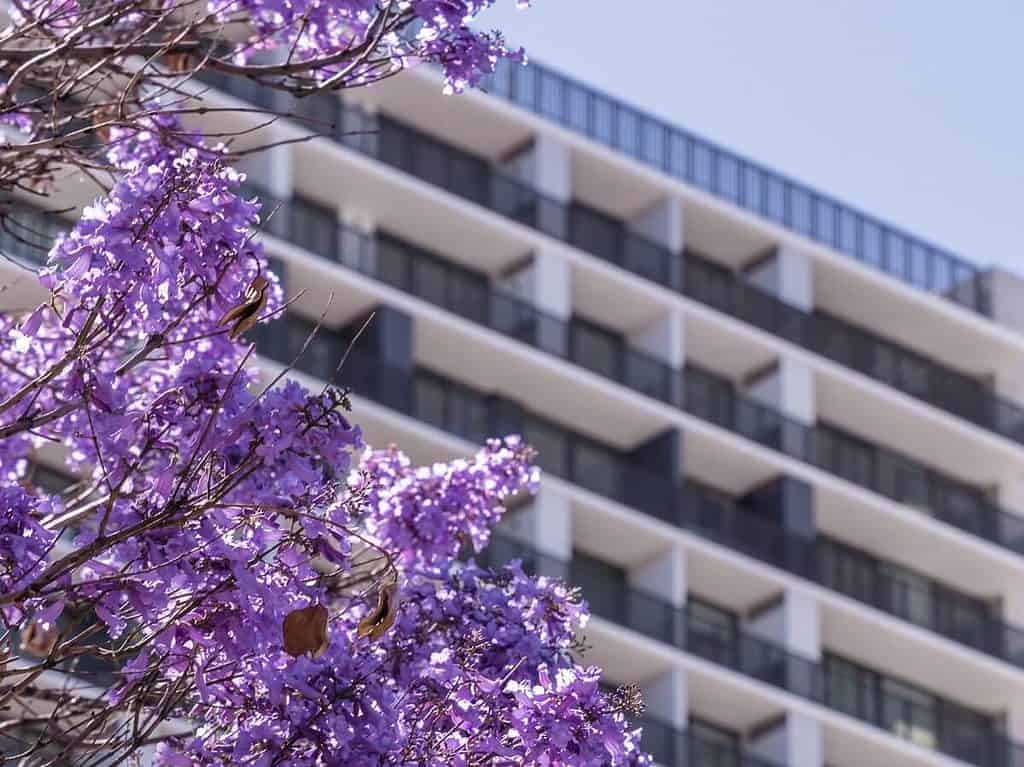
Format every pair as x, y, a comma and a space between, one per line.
663, 575
1008, 383
794, 622
663, 337
544, 281
545, 524
796, 741
546, 165
662, 222
1013, 608
787, 387
787, 273
1014, 718
666, 698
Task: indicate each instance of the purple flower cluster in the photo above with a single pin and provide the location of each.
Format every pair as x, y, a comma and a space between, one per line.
24, 543
212, 511
426, 515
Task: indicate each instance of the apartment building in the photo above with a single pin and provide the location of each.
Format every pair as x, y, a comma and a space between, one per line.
783, 441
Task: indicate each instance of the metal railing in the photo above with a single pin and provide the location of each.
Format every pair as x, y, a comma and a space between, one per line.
692, 390
673, 747
943, 726
700, 393
739, 181
417, 272
456, 408
473, 178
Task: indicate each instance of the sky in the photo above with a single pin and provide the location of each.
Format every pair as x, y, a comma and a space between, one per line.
909, 109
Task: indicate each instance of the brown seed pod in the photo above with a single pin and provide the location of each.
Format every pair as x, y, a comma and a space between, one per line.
305, 631
243, 316
37, 640
178, 62
382, 617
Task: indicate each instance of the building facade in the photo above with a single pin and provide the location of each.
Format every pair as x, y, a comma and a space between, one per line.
782, 441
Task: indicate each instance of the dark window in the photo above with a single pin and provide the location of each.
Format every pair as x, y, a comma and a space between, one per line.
551, 445
711, 631
314, 227
596, 348
848, 571
429, 393
909, 712
596, 233
393, 263
603, 585
468, 414
597, 468
429, 280
713, 746
851, 689
467, 295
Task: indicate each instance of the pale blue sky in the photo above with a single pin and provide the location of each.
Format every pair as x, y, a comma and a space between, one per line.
910, 109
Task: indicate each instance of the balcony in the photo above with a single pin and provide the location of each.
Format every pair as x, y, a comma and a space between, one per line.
694, 276
738, 181
693, 747
692, 390
472, 415
698, 392
900, 709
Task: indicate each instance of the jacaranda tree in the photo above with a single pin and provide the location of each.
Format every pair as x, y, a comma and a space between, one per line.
235, 577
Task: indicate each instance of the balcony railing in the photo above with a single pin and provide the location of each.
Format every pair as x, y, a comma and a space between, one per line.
944, 726
692, 390
741, 182
475, 179
419, 273
672, 747
702, 394
456, 408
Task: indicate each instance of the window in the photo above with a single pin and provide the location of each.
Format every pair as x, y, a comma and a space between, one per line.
551, 445
603, 585
713, 746
467, 294
850, 688
393, 263
429, 280
909, 712
314, 227
468, 414
596, 349
429, 401
597, 468
596, 233
711, 631
430, 161
848, 571
904, 480
907, 594
323, 353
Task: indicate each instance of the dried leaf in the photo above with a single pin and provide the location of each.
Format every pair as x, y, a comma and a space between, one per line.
101, 120
37, 640
244, 315
377, 622
305, 631
178, 62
